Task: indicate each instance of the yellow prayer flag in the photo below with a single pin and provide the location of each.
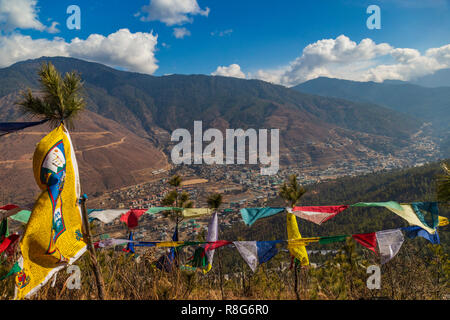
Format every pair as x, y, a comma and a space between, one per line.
53, 237
409, 215
196, 212
443, 221
296, 250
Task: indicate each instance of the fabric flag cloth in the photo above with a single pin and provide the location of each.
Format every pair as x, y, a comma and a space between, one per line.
389, 243
131, 217
332, 239
250, 215
8, 127
130, 246
154, 210
431, 213
106, 216
297, 250
368, 240
8, 210
318, 214
8, 243
15, 268
415, 231
195, 212
110, 242
406, 211
391, 205
256, 252
53, 237
213, 233
443, 221
22, 216
4, 230
169, 260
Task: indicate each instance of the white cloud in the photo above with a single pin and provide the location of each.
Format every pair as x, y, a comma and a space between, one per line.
19, 14
132, 51
366, 61
233, 70
172, 12
180, 33
53, 28
222, 33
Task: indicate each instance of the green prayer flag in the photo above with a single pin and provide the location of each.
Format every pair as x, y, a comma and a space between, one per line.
331, 239
389, 204
15, 268
22, 216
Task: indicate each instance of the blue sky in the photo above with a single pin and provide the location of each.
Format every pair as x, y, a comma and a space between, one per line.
263, 39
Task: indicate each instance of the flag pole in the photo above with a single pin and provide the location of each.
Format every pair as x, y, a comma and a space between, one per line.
97, 272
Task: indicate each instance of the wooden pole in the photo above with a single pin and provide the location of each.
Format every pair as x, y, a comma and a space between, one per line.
97, 272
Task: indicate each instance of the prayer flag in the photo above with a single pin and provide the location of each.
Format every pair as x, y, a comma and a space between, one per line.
415, 231
106, 216
250, 215
318, 214
368, 240
256, 252
53, 237
297, 251
389, 243
131, 217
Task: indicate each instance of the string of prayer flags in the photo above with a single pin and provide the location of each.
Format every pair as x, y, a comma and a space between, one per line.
415, 231
53, 237
318, 214
131, 217
107, 215
8, 210
250, 215
256, 252
297, 251
368, 240
389, 243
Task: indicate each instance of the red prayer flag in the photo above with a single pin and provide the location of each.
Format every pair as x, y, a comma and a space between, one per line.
8, 244
131, 217
216, 244
368, 240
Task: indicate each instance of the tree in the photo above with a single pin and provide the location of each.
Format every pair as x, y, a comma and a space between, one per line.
60, 99
291, 192
177, 199
443, 186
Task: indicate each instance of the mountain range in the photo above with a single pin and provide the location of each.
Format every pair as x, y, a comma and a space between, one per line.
125, 134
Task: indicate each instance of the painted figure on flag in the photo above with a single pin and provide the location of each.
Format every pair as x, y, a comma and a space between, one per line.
53, 236
53, 173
